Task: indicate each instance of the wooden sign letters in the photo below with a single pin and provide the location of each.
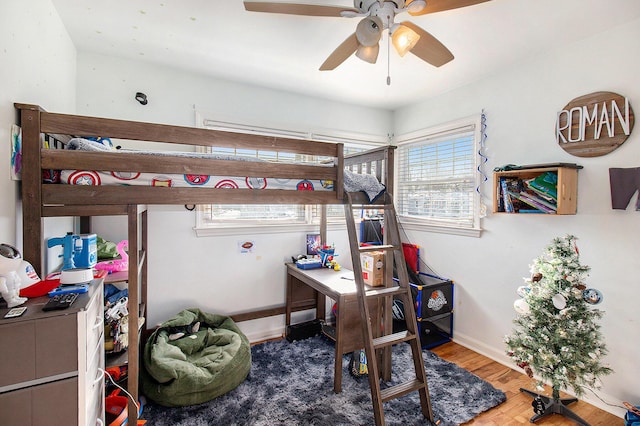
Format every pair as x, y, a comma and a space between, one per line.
594, 124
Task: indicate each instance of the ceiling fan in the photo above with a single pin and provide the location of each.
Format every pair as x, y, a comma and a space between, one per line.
377, 16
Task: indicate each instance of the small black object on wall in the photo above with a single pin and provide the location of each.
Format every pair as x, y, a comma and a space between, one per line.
142, 98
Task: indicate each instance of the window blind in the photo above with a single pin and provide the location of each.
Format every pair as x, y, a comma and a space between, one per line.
436, 178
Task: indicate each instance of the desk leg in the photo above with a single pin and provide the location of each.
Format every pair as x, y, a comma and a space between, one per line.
321, 305
289, 301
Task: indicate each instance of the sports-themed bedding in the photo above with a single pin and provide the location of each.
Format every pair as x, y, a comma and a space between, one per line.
352, 182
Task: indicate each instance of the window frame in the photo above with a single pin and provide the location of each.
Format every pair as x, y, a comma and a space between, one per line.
468, 124
204, 228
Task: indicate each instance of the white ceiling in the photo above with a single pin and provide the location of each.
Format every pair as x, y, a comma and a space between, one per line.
221, 39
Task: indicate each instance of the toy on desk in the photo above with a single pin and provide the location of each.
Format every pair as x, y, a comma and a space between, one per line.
117, 265
327, 255
68, 243
78, 251
10, 282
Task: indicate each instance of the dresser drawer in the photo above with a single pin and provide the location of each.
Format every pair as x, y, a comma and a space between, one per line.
94, 408
35, 406
93, 399
37, 350
94, 322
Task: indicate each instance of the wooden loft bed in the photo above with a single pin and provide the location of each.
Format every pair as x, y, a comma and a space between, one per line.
40, 200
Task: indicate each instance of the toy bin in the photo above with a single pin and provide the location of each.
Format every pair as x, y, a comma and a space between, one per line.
433, 301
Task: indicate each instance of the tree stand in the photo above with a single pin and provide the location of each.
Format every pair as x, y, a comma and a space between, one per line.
543, 405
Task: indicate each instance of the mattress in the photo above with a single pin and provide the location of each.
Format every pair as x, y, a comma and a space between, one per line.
352, 182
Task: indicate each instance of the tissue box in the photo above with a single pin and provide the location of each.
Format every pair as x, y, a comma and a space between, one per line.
373, 268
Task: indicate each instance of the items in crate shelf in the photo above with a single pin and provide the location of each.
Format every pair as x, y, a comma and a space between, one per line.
538, 194
541, 188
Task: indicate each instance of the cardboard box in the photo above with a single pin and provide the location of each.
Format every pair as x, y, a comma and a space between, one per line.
373, 268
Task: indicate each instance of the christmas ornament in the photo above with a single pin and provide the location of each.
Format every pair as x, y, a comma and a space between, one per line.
559, 301
521, 307
536, 277
592, 296
523, 290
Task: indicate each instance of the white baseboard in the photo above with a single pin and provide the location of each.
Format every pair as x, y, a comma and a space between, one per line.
502, 358
262, 335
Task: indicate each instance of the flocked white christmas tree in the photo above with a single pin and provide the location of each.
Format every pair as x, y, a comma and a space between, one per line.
557, 338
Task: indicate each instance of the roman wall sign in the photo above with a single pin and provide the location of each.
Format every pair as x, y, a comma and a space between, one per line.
594, 124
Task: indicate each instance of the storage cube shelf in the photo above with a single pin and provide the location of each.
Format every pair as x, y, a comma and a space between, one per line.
433, 300
548, 189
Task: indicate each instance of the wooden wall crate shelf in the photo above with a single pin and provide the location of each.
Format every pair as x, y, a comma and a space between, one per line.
566, 188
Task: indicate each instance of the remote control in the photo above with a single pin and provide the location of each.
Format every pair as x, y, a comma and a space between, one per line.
15, 312
60, 301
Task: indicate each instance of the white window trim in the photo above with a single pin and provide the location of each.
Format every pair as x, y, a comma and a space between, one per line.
427, 225
323, 135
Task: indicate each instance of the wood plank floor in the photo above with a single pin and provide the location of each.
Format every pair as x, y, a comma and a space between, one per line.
517, 409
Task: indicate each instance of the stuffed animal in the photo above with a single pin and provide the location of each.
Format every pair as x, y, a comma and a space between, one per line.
10, 282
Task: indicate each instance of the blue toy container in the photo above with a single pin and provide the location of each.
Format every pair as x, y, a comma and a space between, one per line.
86, 253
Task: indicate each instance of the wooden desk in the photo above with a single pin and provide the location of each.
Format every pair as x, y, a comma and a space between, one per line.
307, 288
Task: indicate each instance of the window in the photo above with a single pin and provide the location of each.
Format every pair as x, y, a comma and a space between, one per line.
230, 218
437, 178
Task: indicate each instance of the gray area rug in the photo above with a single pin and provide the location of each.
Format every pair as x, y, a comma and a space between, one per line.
292, 384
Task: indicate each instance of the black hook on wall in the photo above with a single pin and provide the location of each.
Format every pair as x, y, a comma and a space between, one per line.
142, 98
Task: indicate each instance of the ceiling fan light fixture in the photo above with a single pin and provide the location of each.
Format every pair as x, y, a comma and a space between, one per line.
368, 53
404, 39
369, 31
416, 6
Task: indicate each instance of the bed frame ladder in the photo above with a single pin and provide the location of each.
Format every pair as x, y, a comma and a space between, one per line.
378, 338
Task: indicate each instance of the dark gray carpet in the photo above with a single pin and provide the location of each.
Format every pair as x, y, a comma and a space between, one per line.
292, 384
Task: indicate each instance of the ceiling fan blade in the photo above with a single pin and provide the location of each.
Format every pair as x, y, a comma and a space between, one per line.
434, 6
429, 48
297, 9
341, 53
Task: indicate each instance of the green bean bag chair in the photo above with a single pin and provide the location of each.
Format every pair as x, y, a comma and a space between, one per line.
212, 358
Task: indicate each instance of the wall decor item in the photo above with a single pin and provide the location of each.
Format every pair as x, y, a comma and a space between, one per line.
624, 184
595, 124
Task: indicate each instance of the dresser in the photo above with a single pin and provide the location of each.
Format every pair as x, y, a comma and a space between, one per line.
51, 363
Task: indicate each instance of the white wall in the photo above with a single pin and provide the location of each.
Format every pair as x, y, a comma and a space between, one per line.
38, 66
521, 105
209, 272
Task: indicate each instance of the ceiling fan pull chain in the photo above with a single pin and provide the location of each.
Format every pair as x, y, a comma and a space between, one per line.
389, 55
